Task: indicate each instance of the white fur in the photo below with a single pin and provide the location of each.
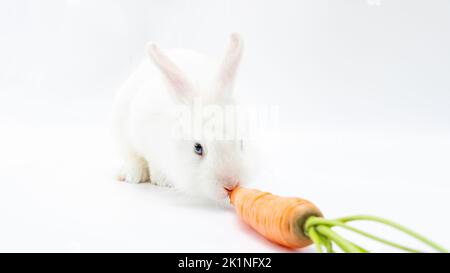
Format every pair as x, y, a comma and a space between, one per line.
143, 123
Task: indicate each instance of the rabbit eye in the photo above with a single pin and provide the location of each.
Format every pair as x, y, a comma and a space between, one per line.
198, 149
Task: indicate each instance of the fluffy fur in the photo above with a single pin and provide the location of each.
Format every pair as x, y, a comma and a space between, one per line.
144, 122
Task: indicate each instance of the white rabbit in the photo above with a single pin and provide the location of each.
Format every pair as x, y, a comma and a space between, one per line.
143, 122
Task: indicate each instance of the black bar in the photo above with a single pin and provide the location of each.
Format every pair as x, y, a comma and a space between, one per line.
220, 262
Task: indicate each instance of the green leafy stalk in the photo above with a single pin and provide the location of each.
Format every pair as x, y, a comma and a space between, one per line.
312, 233
321, 233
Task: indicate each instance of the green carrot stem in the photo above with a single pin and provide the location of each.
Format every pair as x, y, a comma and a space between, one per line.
327, 243
321, 221
312, 233
345, 245
396, 226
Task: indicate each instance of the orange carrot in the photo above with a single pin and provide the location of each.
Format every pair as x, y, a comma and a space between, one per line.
279, 219
296, 223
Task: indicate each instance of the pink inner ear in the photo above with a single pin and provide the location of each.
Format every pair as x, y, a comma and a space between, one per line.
175, 77
177, 83
231, 62
235, 42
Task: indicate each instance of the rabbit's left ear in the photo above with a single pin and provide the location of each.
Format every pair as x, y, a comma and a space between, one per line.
230, 65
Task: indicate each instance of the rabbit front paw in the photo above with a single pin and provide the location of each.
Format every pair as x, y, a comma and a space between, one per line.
134, 171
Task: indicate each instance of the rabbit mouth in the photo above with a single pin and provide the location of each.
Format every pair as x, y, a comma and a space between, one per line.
229, 189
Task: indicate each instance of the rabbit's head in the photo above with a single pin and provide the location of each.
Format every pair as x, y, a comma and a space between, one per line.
210, 163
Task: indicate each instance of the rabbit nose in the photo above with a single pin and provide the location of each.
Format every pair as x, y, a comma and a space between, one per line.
231, 187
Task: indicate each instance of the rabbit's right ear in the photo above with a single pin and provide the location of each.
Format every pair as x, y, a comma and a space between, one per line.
178, 83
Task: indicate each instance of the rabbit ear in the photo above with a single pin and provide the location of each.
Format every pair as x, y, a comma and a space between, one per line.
181, 86
230, 64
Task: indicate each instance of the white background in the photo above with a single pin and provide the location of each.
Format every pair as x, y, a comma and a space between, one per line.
363, 88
